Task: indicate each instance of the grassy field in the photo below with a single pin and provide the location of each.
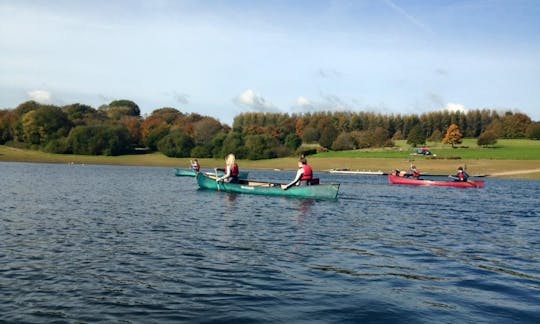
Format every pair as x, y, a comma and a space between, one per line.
518, 149
509, 159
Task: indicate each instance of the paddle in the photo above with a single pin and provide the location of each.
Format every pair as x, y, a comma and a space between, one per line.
217, 181
457, 179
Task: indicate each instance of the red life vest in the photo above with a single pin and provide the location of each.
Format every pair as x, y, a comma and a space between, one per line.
234, 170
308, 173
416, 174
461, 176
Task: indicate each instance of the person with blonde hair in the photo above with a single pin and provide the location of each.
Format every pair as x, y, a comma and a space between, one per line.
231, 170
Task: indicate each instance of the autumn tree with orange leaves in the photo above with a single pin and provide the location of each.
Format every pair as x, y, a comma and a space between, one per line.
453, 135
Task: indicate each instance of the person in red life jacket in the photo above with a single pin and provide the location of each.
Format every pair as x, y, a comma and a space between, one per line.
461, 175
414, 172
195, 166
231, 170
304, 175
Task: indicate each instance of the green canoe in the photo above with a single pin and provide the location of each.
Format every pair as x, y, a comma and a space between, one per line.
190, 173
320, 191
184, 173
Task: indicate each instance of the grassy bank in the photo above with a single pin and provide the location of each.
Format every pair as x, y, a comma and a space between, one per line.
510, 159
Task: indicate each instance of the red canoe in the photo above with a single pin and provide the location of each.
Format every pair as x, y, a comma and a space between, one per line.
392, 179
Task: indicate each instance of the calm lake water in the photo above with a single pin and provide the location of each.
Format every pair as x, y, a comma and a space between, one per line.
137, 244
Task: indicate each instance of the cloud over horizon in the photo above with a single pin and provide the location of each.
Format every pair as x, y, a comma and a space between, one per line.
41, 96
254, 102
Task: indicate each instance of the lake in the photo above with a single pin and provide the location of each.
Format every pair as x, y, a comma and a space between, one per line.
87, 243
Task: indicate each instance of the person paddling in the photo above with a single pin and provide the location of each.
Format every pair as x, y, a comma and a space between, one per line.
461, 175
195, 166
231, 170
414, 172
304, 175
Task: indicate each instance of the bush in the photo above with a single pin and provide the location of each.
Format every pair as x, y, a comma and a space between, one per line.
487, 138
344, 141
97, 140
59, 146
176, 144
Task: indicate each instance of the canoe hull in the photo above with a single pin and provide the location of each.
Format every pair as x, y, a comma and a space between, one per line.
322, 191
392, 179
184, 173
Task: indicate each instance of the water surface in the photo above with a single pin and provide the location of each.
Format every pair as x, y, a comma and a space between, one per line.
137, 244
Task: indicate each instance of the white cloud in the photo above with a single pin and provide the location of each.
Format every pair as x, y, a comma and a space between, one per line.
41, 96
254, 102
453, 107
303, 102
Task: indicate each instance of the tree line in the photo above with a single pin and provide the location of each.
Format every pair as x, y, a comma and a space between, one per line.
118, 128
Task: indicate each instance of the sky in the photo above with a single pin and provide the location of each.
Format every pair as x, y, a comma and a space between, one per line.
223, 58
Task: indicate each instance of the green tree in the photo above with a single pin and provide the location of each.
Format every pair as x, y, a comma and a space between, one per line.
533, 131
205, 130
8, 121
416, 136
380, 135
344, 141
176, 144
453, 135
80, 114
260, 147
43, 124
487, 138
310, 135
362, 139
328, 135
129, 107
155, 135
233, 143
292, 141
515, 125
99, 140
436, 136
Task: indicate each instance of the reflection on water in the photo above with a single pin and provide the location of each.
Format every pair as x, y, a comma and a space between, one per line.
103, 243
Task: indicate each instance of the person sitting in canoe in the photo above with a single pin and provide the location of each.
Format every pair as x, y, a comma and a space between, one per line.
231, 170
461, 175
414, 172
304, 175
399, 173
195, 165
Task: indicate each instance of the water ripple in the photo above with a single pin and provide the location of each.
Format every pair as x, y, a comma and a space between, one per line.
129, 244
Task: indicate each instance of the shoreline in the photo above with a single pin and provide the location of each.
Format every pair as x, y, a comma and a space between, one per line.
509, 169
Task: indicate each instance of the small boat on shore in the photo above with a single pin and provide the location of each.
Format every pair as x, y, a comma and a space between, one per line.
398, 180
190, 173
315, 191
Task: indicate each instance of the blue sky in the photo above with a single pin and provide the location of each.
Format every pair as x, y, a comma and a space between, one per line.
222, 58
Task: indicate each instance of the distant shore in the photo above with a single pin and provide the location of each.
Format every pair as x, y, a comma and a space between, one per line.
515, 169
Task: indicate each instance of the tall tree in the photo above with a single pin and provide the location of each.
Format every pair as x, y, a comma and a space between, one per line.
416, 136
453, 135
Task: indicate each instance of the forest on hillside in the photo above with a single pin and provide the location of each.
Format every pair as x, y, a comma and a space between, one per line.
118, 128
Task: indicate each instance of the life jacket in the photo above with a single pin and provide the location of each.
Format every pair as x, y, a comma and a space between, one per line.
234, 170
461, 176
308, 173
196, 167
416, 174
